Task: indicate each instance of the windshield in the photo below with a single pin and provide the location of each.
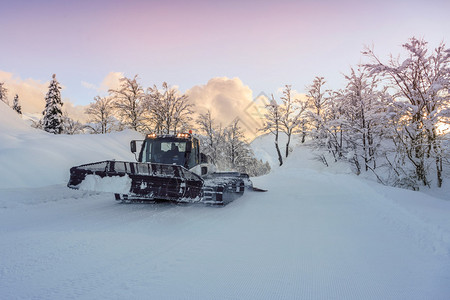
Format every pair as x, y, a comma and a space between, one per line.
164, 152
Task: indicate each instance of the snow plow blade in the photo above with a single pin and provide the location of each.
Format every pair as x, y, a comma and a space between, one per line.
133, 181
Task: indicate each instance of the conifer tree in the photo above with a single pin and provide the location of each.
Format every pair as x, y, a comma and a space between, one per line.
3, 93
16, 105
53, 118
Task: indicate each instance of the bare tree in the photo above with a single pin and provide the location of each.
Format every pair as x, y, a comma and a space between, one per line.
129, 101
236, 147
71, 126
316, 95
292, 114
214, 136
170, 111
323, 118
364, 116
101, 114
272, 124
227, 148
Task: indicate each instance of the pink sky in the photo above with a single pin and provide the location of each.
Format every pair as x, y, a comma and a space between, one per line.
266, 44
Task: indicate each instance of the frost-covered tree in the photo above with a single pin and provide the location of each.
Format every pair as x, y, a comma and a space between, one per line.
16, 105
236, 149
238, 154
331, 131
292, 113
323, 119
420, 83
317, 96
53, 119
226, 147
169, 110
213, 136
272, 124
71, 126
3, 93
101, 114
129, 101
256, 167
363, 118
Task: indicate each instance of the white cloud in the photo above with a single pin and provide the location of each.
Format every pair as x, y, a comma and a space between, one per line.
228, 99
32, 96
111, 81
75, 112
89, 85
31, 92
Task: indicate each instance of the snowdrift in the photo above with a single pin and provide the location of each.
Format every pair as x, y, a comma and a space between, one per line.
31, 158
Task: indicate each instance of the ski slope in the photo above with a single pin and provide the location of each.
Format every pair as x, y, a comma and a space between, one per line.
317, 234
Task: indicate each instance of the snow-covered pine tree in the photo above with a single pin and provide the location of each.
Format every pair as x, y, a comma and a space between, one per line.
16, 105
3, 93
53, 116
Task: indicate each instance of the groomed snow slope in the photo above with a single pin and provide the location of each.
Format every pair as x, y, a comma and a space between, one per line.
314, 235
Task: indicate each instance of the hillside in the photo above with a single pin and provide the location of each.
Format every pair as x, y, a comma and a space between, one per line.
319, 233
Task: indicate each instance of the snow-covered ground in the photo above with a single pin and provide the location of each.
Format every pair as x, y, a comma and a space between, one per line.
319, 233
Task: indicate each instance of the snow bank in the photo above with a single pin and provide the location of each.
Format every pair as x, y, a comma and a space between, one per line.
33, 158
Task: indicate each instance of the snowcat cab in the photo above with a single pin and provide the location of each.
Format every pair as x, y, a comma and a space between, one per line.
182, 149
168, 167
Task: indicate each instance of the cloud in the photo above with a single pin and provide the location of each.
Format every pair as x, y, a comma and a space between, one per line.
75, 112
111, 81
31, 92
89, 85
228, 99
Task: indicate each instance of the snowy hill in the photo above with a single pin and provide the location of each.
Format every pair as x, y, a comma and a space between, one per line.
319, 233
32, 158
